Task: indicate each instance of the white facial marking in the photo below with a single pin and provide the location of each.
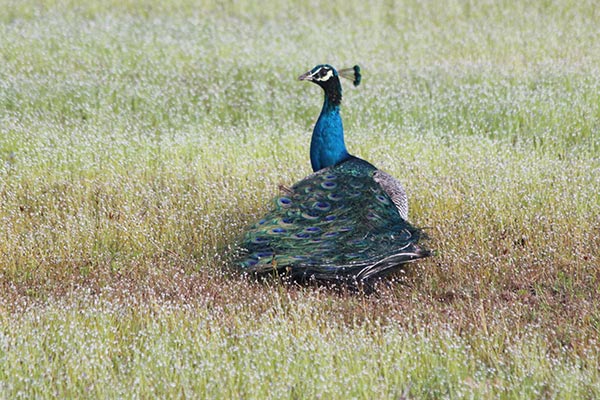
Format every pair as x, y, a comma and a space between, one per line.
326, 77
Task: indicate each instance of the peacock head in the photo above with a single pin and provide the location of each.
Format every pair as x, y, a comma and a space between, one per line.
327, 77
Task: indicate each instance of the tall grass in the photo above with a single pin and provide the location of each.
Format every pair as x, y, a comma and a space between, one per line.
139, 138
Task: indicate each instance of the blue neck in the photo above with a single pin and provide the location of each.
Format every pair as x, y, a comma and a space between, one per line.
327, 146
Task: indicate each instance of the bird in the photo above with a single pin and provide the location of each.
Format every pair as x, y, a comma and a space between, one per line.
346, 223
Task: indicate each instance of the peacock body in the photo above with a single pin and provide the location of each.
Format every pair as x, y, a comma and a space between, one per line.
346, 222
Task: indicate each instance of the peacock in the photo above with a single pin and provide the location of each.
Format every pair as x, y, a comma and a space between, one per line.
346, 223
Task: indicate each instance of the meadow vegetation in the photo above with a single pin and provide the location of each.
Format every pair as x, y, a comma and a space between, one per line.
139, 138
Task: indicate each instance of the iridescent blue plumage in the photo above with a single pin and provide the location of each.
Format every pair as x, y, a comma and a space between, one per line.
347, 222
327, 145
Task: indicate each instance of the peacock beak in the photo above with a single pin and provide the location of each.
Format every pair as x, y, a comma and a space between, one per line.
306, 77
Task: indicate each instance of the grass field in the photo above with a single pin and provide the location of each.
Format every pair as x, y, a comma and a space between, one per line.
139, 138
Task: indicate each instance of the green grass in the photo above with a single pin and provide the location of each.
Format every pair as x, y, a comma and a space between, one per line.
138, 139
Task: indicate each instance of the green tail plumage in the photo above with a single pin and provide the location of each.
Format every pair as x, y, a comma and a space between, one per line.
337, 225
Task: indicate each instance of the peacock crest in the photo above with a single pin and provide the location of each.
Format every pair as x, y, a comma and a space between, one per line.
345, 223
